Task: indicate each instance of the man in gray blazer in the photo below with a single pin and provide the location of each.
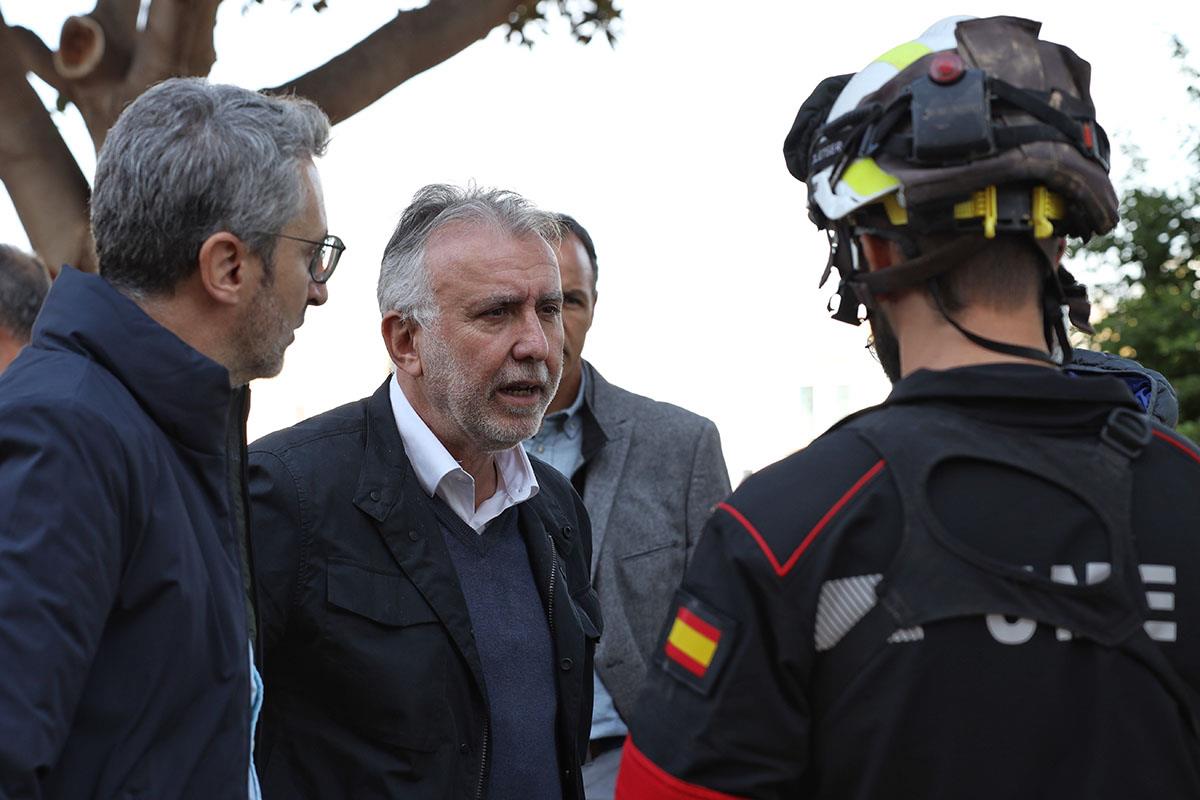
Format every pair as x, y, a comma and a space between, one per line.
650, 474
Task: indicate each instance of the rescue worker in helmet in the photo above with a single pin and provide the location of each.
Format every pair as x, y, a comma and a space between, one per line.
986, 586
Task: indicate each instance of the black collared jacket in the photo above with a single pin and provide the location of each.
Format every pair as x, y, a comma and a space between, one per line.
765, 687
124, 669
374, 687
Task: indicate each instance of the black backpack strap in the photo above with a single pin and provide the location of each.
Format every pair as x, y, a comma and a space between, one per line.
935, 578
1126, 433
837, 667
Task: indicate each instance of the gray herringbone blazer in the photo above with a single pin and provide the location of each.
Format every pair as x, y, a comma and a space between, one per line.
651, 480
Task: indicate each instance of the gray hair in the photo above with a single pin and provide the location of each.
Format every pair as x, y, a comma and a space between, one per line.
188, 159
24, 283
404, 277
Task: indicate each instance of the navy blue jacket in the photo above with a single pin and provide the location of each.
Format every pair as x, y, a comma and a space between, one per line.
123, 638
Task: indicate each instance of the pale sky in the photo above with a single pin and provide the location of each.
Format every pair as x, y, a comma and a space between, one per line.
668, 149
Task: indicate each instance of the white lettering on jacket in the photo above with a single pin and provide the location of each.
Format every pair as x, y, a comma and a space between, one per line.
845, 601
1020, 631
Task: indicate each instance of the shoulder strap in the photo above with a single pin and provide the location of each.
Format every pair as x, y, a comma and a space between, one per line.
932, 579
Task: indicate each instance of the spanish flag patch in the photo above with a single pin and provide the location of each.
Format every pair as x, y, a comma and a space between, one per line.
695, 643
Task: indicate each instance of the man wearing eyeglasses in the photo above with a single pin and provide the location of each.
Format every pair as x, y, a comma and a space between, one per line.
126, 624
427, 616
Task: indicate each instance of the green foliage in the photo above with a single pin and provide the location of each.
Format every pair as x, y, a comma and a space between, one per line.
588, 18
316, 5
1155, 307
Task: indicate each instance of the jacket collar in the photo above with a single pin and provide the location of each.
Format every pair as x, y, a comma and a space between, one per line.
1020, 395
186, 393
1009, 382
600, 418
432, 464
387, 482
605, 445
386, 474
389, 492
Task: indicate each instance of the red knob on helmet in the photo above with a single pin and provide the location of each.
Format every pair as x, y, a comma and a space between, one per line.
946, 68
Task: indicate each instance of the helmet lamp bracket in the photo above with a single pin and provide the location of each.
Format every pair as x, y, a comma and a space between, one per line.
951, 121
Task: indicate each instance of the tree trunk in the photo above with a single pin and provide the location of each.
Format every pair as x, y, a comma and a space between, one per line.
47, 187
104, 62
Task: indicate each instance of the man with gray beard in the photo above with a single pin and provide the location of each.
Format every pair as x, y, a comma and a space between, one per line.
427, 616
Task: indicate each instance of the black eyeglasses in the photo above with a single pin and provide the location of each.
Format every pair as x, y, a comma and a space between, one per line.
324, 259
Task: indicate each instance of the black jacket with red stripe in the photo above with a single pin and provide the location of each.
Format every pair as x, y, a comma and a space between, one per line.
769, 685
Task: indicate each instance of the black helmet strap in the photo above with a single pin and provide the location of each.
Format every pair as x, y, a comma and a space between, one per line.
965, 130
919, 267
1017, 350
861, 287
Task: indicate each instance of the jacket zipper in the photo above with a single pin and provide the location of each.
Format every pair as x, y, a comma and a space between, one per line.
244, 487
553, 577
483, 753
239, 501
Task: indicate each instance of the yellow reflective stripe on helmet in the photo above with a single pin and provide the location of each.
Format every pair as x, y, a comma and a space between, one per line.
905, 54
866, 179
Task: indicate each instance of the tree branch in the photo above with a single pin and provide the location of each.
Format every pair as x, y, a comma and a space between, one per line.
98, 47
408, 45
119, 18
197, 41
36, 56
45, 184
178, 40
82, 46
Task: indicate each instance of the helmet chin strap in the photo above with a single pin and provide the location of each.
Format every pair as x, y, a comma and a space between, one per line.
1054, 328
927, 266
1020, 351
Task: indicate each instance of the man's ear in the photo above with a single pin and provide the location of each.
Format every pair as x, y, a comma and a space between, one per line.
223, 269
880, 253
400, 339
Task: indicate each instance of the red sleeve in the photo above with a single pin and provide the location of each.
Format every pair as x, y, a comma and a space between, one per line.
642, 779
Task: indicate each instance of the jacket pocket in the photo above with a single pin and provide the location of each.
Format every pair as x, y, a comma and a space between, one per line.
587, 608
383, 657
386, 599
650, 549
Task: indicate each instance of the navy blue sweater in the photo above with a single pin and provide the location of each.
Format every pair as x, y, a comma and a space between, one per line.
513, 639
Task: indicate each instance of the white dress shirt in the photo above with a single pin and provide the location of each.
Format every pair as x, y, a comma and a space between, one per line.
439, 474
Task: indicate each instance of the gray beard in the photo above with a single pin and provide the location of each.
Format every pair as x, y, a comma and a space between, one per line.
467, 405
